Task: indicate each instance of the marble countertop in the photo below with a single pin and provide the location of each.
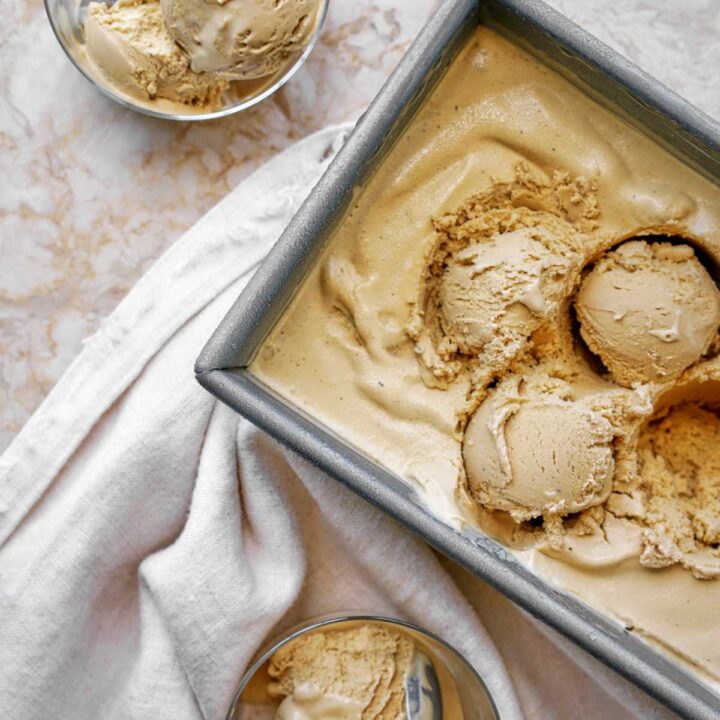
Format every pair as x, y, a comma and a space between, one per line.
91, 194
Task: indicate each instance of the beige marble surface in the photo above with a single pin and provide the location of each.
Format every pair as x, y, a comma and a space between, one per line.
91, 194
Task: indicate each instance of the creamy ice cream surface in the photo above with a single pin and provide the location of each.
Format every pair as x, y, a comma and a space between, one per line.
533, 451
348, 674
519, 311
649, 310
500, 271
680, 474
493, 286
129, 44
241, 39
184, 55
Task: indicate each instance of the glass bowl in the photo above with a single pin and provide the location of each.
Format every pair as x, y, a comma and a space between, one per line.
67, 17
464, 694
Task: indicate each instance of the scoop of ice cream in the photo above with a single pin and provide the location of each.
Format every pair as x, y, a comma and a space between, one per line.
502, 284
679, 466
240, 39
358, 671
648, 310
129, 44
308, 703
503, 265
535, 453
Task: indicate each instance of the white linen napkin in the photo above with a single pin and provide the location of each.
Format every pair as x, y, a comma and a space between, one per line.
151, 540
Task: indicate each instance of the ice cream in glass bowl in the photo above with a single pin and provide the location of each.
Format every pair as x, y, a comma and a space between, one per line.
353, 666
187, 59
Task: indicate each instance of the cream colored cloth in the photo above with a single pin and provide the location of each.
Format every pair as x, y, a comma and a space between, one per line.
152, 540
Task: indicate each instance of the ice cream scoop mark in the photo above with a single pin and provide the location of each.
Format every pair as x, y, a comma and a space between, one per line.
496, 425
301, 23
478, 268
533, 299
668, 335
463, 258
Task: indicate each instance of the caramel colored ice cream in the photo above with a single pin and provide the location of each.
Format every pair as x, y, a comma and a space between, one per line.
531, 450
649, 310
353, 674
500, 271
500, 289
494, 281
240, 39
182, 55
516, 311
679, 463
129, 44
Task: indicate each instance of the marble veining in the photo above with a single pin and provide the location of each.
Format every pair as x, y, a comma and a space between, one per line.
91, 194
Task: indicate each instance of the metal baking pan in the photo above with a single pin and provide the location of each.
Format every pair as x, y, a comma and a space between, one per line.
222, 366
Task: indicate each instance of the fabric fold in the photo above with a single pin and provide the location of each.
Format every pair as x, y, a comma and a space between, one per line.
152, 541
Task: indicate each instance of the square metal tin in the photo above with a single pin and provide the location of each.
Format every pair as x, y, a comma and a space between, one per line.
222, 367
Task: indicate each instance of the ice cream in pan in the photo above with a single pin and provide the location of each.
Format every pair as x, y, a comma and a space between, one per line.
521, 309
189, 52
